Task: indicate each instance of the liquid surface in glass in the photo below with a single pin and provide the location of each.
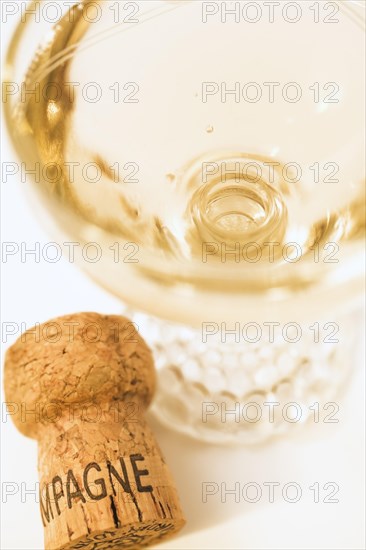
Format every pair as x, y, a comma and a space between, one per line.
210, 144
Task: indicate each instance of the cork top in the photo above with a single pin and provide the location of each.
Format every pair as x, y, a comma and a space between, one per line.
76, 359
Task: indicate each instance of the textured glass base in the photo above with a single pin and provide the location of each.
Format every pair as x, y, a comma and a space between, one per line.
220, 390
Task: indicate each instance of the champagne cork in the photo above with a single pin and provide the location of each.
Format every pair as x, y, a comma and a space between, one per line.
81, 384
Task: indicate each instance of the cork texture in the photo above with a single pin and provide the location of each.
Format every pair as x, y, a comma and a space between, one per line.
82, 383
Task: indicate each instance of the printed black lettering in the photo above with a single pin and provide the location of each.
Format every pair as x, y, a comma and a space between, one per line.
100, 482
123, 481
139, 473
46, 511
59, 494
73, 494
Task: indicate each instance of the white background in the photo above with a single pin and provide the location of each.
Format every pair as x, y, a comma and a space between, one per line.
34, 292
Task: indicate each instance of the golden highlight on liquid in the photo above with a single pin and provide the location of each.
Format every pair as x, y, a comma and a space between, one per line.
240, 207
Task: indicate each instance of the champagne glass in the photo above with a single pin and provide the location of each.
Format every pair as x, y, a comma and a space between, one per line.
206, 160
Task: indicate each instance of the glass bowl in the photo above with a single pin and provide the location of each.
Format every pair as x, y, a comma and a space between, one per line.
206, 160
